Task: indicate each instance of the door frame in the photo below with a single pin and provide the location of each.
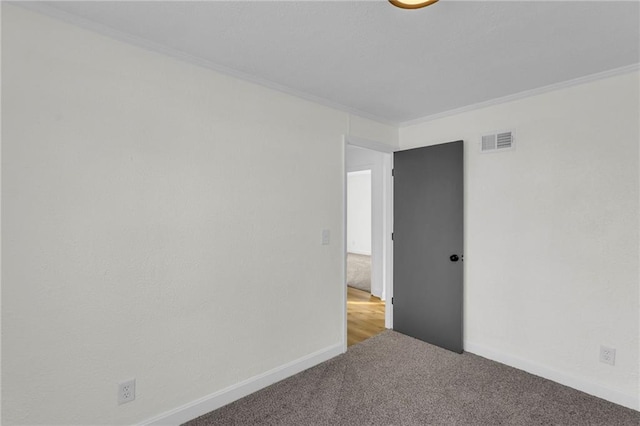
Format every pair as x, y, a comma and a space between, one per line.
386, 221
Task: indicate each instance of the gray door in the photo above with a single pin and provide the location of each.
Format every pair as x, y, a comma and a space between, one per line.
428, 243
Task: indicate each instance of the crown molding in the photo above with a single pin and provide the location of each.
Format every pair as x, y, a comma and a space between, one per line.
45, 9
526, 94
105, 30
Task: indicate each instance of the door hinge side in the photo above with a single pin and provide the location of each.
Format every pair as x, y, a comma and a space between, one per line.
392, 300
392, 236
393, 172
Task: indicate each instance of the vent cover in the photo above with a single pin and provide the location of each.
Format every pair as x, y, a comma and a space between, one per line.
499, 141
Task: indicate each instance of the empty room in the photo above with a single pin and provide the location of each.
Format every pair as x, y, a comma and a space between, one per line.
177, 245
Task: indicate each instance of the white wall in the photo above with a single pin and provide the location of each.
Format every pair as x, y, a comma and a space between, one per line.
551, 233
151, 228
374, 131
359, 212
160, 221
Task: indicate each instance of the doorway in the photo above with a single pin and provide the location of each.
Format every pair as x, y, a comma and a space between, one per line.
365, 308
442, 281
367, 241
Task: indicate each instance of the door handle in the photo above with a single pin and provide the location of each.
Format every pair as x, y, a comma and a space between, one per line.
454, 258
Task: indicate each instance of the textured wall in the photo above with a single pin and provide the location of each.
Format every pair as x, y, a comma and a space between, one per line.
551, 232
160, 221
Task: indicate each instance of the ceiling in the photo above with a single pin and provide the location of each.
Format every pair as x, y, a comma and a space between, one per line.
376, 60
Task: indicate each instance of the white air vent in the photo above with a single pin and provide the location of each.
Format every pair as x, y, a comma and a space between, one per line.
498, 141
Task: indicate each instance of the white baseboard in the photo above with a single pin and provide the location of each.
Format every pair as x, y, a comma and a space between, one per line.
364, 253
617, 397
225, 396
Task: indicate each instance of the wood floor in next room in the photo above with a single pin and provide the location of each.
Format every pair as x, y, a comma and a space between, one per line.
365, 316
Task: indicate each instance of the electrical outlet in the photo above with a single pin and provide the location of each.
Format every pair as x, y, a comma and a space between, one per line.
127, 391
607, 355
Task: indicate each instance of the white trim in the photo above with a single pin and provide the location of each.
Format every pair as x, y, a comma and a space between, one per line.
372, 145
617, 397
388, 242
45, 9
343, 249
360, 168
143, 43
225, 396
362, 172
526, 94
363, 253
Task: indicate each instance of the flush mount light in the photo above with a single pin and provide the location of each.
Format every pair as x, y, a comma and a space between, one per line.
412, 4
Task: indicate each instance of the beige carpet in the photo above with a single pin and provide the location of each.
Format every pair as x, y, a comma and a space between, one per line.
359, 271
392, 379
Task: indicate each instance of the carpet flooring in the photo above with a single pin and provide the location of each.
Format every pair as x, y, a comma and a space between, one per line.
359, 271
392, 379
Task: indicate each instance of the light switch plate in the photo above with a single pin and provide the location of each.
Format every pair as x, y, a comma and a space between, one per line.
326, 237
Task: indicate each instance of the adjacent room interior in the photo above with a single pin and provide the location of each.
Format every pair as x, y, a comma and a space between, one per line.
365, 308
174, 211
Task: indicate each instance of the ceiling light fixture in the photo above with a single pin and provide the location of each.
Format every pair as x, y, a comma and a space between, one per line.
412, 4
